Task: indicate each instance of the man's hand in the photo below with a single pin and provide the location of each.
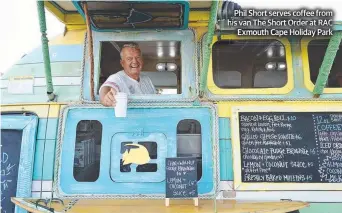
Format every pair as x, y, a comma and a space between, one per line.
109, 97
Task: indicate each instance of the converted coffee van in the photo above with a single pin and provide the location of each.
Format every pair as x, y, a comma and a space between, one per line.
260, 116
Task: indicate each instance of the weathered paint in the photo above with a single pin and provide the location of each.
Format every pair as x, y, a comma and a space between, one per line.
226, 160
135, 121
49, 160
38, 160
58, 53
60, 69
64, 94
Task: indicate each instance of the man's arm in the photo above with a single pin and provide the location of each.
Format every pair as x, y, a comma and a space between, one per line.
107, 96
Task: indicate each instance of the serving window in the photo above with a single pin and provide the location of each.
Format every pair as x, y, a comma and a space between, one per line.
87, 151
169, 61
162, 63
250, 66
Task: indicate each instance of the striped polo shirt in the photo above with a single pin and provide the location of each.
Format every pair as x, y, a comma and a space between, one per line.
121, 82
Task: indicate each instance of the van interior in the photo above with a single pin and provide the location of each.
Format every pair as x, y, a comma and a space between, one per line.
162, 63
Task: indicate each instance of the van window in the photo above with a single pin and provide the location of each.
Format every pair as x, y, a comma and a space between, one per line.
148, 167
162, 63
189, 142
316, 52
249, 64
87, 151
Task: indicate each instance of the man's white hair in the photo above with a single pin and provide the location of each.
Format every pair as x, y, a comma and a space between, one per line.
130, 45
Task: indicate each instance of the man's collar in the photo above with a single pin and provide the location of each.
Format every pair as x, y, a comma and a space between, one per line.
131, 77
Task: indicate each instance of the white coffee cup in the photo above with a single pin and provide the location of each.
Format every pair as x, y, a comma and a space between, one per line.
121, 104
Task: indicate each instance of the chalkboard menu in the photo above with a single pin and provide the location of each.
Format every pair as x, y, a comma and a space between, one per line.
10, 156
298, 147
181, 177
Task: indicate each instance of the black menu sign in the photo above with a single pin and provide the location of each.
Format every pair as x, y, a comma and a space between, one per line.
10, 159
181, 177
298, 147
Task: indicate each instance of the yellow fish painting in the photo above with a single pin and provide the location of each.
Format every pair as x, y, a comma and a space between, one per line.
138, 154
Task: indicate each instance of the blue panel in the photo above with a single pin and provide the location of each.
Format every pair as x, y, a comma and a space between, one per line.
159, 120
51, 132
57, 53
226, 159
28, 125
41, 128
230, 175
38, 160
49, 159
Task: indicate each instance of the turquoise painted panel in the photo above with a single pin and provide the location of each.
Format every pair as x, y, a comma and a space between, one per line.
41, 128
57, 53
338, 27
59, 69
226, 160
64, 94
51, 131
49, 159
223, 160
159, 120
28, 125
229, 165
38, 160
323, 208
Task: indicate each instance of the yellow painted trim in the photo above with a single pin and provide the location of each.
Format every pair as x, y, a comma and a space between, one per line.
198, 24
40, 110
72, 18
225, 108
238, 184
253, 91
153, 205
306, 67
200, 31
56, 12
196, 16
75, 27
71, 37
54, 111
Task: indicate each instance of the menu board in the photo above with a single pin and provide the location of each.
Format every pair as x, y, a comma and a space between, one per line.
181, 177
291, 147
10, 158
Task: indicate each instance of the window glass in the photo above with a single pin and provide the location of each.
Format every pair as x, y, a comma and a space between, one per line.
161, 59
189, 142
87, 151
148, 167
316, 52
249, 64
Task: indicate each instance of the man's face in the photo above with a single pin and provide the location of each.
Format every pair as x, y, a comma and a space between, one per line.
131, 61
